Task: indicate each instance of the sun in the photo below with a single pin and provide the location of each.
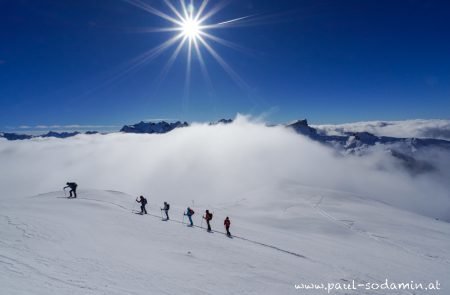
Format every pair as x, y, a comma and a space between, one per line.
191, 28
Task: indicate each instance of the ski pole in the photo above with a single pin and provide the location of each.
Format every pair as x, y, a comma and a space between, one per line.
134, 206
201, 224
65, 195
161, 213
183, 218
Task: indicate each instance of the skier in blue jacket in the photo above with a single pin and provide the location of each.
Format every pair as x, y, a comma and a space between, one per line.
189, 213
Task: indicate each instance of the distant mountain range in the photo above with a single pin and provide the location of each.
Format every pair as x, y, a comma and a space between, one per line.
406, 150
349, 141
152, 127
356, 143
140, 128
19, 136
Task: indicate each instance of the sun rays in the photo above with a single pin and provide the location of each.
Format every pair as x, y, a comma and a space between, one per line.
189, 26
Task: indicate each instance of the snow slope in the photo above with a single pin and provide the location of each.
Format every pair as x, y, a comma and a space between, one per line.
95, 245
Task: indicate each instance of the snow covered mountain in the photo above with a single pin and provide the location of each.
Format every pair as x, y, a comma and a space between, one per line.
222, 121
96, 245
153, 127
60, 134
410, 151
16, 136
162, 126
438, 129
352, 140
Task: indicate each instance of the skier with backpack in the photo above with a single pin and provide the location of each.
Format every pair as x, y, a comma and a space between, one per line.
143, 202
227, 224
166, 210
189, 213
73, 189
208, 216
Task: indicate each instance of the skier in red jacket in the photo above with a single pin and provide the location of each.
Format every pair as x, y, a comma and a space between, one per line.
227, 224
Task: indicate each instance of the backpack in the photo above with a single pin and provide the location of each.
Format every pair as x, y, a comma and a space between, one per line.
191, 212
168, 206
209, 216
144, 201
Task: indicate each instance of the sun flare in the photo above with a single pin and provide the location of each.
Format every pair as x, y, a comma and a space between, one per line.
191, 27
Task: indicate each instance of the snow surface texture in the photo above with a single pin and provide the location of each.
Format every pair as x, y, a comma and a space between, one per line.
439, 129
306, 215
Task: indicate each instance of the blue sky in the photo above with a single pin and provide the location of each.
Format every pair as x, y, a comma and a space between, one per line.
328, 61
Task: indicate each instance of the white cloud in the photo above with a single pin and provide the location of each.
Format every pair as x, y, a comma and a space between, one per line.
216, 164
439, 129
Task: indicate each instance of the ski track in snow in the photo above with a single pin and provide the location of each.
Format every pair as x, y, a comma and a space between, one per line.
350, 225
23, 269
24, 256
196, 226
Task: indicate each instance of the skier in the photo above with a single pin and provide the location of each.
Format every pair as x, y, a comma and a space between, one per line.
208, 216
227, 224
73, 189
143, 202
189, 213
166, 210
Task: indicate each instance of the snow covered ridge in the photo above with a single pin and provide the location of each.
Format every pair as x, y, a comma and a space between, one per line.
410, 151
95, 245
141, 128
152, 127
427, 129
350, 140
437, 129
16, 136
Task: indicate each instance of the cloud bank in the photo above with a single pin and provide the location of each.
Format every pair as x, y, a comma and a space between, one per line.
438, 129
216, 164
